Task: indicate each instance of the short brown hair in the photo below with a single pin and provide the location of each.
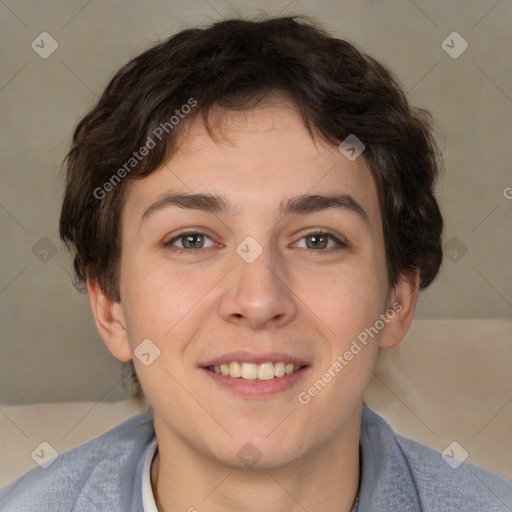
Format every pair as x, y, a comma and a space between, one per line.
235, 64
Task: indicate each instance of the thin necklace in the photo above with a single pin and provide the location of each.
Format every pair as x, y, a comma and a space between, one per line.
356, 504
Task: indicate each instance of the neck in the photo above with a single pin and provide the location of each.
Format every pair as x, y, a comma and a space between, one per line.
328, 479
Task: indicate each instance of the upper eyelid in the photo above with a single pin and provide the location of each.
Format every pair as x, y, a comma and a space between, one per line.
340, 240
186, 233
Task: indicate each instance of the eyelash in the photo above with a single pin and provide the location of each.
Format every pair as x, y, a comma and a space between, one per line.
325, 232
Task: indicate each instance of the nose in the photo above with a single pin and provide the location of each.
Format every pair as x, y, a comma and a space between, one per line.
257, 294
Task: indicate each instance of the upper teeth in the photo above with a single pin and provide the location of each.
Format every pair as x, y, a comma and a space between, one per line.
264, 371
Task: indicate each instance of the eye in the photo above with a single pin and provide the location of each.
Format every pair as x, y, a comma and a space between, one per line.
320, 240
190, 241
194, 240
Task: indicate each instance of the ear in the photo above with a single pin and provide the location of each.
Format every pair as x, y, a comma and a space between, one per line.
403, 302
110, 321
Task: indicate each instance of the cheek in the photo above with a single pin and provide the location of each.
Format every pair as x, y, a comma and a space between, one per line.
149, 299
348, 300
159, 299
348, 307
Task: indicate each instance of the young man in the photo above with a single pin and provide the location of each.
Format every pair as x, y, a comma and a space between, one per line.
245, 204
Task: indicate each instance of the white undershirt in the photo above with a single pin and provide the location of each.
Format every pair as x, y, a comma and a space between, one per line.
148, 500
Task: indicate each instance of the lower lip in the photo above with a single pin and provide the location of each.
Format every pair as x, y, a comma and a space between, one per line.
257, 388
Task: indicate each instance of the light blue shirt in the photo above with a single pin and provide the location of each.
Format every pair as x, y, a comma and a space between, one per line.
398, 475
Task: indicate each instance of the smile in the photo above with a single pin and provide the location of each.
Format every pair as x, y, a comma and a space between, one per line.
251, 371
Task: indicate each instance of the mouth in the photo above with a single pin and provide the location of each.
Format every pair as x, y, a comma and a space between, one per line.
256, 376
251, 371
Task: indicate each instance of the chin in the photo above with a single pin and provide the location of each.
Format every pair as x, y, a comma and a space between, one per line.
260, 454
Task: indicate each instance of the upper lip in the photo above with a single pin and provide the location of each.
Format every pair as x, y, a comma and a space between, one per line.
250, 357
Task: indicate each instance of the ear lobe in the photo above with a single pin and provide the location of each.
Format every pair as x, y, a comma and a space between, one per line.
110, 321
403, 303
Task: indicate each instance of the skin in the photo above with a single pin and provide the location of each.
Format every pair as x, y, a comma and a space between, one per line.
311, 302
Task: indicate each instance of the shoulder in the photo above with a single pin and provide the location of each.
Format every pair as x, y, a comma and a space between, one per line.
411, 476
452, 484
99, 473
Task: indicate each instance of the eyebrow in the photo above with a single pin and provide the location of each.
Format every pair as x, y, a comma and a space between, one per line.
216, 204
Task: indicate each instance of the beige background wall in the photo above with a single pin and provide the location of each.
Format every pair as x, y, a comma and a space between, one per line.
50, 350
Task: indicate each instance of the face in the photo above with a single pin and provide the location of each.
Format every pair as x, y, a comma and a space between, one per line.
264, 246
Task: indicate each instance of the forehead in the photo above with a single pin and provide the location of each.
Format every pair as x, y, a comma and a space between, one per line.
255, 156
